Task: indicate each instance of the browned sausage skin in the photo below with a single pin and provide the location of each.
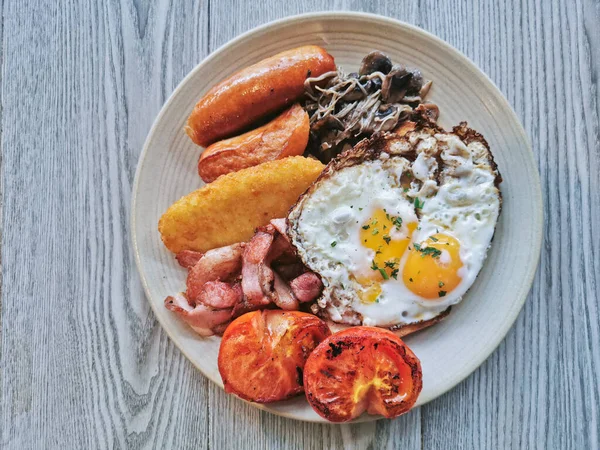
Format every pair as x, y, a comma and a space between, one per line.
255, 92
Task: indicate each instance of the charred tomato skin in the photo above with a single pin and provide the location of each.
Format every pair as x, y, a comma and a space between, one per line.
362, 369
263, 353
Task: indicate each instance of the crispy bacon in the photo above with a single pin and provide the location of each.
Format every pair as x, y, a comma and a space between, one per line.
188, 258
220, 295
256, 275
227, 282
281, 226
200, 317
283, 296
216, 265
306, 287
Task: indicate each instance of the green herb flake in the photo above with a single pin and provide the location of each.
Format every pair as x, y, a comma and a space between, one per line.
375, 231
478, 216
441, 284
442, 293
397, 221
390, 264
434, 252
387, 239
417, 247
374, 266
365, 227
419, 204
395, 274
434, 239
405, 189
334, 243
384, 274
360, 209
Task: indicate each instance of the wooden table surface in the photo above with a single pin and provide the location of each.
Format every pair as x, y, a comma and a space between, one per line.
83, 361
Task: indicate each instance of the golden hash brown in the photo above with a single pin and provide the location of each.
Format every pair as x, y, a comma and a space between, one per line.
229, 209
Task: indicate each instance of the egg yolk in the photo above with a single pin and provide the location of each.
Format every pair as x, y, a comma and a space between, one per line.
431, 268
370, 290
376, 235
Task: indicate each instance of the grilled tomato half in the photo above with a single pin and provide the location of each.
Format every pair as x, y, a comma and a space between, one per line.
362, 369
262, 354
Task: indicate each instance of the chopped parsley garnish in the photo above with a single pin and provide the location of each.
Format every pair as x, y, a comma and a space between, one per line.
395, 274
434, 239
441, 284
442, 293
334, 243
374, 266
419, 204
390, 264
397, 221
360, 209
374, 222
434, 252
384, 274
387, 239
405, 189
375, 231
478, 216
365, 227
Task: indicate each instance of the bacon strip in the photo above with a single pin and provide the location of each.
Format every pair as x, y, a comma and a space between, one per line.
280, 225
219, 264
220, 295
200, 317
283, 296
215, 295
306, 287
188, 258
255, 272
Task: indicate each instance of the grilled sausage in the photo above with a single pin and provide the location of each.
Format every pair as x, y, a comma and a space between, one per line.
255, 92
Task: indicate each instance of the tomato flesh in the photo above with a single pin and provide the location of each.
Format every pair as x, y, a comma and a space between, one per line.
362, 369
262, 353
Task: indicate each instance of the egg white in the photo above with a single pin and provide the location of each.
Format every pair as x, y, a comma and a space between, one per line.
465, 205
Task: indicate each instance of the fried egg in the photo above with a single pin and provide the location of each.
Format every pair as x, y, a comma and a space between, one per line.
399, 227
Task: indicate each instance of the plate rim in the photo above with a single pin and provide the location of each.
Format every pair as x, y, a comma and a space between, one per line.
342, 15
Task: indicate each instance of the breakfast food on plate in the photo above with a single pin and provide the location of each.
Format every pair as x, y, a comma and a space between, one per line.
399, 227
286, 135
255, 92
344, 108
381, 242
362, 369
228, 210
227, 282
262, 353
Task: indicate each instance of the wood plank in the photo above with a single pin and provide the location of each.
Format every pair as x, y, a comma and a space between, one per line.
540, 388
84, 362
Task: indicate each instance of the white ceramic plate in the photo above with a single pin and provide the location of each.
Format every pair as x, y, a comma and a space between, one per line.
449, 351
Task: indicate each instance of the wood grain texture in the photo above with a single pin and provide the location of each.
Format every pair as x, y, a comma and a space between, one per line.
83, 362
